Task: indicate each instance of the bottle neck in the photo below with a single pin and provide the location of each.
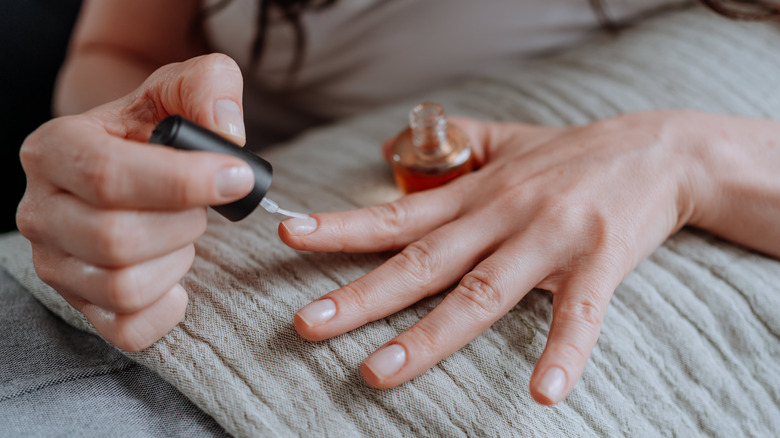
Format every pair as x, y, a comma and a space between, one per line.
429, 128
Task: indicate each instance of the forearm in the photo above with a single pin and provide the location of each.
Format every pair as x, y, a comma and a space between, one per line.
95, 77
736, 184
117, 44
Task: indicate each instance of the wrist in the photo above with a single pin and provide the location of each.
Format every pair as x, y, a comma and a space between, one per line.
697, 145
730, 176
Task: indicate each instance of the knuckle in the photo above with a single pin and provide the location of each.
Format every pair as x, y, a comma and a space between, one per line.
27, 220
575, 353
341, 228
33, 152
126, 336
46, 272
358, 296
479, 289
100, 172
181, 190
211, 68
112, 239
427, 339
30, 154
121, 292
390, 216
566, 214
419, 261
585, 311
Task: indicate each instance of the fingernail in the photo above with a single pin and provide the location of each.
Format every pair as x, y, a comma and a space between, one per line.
229, 119
299, 226
552, 384
234, 181
317, 312
386, 361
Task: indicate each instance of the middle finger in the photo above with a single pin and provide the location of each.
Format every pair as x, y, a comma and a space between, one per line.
423, 268
113, 238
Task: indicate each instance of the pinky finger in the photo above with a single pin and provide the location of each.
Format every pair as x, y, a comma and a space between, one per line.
578, 311
139, 330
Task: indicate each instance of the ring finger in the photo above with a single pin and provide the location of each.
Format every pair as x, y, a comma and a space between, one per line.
483, 296
121, 290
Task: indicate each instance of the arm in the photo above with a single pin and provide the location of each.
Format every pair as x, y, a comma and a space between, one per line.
117, 44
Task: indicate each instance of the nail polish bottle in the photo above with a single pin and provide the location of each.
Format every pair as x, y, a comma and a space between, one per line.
429, 152
180, 133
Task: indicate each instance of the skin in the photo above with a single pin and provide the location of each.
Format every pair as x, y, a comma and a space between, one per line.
111, 219
573, 210
544, 212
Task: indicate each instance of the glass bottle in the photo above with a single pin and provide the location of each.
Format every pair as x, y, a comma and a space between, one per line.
429, 152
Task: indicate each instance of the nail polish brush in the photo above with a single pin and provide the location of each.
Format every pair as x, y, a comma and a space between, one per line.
180, 133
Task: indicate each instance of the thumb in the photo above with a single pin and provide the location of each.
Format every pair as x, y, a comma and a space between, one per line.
206, 89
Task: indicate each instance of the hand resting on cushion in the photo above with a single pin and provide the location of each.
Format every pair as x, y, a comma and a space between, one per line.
569, 210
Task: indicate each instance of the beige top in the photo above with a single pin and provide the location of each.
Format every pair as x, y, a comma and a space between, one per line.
366, 53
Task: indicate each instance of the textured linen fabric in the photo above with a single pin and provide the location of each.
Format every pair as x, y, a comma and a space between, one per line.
56, 380
690, 342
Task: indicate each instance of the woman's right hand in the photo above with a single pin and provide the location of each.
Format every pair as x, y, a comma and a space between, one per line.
111, 219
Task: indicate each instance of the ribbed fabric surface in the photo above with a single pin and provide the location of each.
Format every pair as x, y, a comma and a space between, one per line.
690, 343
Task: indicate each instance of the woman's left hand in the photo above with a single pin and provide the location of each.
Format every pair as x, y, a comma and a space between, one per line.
569, 210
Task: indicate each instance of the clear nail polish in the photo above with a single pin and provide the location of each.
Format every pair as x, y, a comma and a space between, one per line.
387, 361
430, 151
553, 384
233, 181
318, 312
300, 226
229, 119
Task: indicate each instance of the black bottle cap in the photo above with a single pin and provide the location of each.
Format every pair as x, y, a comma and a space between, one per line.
180, 133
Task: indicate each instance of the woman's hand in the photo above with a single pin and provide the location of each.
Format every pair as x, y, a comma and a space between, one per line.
569, 210
111, 219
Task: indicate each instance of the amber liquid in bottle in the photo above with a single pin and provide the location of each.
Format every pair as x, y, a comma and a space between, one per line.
429, 152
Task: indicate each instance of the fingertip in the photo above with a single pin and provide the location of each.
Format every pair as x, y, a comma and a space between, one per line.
284, 235
140, 330
180, 300
371, 379
551, 387
299, 226
296, 232
305, 331
207, 89
312, 316
380, 369
234, 182
229, 120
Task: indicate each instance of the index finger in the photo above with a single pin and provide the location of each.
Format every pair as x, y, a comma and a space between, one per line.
377, 228
113, 172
